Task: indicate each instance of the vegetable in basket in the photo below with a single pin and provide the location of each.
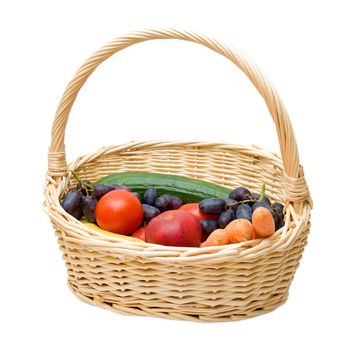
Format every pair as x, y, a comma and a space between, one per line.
219, 220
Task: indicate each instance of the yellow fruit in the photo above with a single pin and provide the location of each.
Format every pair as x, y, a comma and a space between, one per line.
107, 233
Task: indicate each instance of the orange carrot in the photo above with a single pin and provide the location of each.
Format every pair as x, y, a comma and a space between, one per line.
263, 222
239, 230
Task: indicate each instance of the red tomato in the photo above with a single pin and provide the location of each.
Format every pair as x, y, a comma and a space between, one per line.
194, 209
119, 211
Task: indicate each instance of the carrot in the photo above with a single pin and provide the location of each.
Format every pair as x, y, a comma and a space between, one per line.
263, 223
217, 237
239, 230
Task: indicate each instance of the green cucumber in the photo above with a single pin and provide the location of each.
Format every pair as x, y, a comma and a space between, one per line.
189, 190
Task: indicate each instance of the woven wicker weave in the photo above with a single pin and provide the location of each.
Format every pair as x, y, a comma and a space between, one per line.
207, 284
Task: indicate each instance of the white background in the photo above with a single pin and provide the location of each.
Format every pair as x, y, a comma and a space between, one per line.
171, 90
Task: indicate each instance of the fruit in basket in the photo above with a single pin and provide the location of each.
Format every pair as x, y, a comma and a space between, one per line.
240, 194
264, 204
226, 217
278, 215
149, 212
278, 207
150, 196
193, 208
256, 197
189, 190
208, 226
167, 202
100, 190
263, 222
88, 206
231, 204
174, 228
138, 196
221, 220
237, 231
85, 187
140, 233
119, 211
94, 227
279, 221
72, 203
212, 206
244, 211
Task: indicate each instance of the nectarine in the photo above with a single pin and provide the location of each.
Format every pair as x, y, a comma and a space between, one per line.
177, 228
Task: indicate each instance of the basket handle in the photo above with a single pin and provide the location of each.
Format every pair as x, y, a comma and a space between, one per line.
289, 151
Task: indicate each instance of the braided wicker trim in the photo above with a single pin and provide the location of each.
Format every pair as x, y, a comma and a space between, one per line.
297, 190
57, 164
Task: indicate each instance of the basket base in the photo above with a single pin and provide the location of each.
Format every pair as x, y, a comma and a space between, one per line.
145, 311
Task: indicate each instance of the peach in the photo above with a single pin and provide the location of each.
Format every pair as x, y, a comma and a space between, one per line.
178, 228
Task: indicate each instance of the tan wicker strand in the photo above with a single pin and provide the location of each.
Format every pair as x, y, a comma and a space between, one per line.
224, 283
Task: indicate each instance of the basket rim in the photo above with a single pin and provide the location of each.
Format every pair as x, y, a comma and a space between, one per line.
94, 240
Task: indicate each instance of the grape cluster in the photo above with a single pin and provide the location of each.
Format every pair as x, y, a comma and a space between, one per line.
82, 201
154, 205
240, 204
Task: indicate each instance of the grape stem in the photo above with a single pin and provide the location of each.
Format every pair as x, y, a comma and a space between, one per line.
262, 194
261, 198
83, 184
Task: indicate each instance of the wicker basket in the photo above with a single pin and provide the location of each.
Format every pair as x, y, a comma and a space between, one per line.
204, 284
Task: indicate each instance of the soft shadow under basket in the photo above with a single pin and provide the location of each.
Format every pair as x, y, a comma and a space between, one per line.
228, 282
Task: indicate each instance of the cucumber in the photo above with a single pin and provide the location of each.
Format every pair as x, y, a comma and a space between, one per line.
189, 190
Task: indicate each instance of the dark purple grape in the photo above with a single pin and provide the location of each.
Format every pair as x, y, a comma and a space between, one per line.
137, 195
278, 206
72, 203
150, 196
101, 189
231, 204
167, 202
240, 194
149, 212
244, 211
77, 213
85, 187
262, 204
267, 200
88, 206
279, 222
256, 196
208, 226
226, 217
212, 206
